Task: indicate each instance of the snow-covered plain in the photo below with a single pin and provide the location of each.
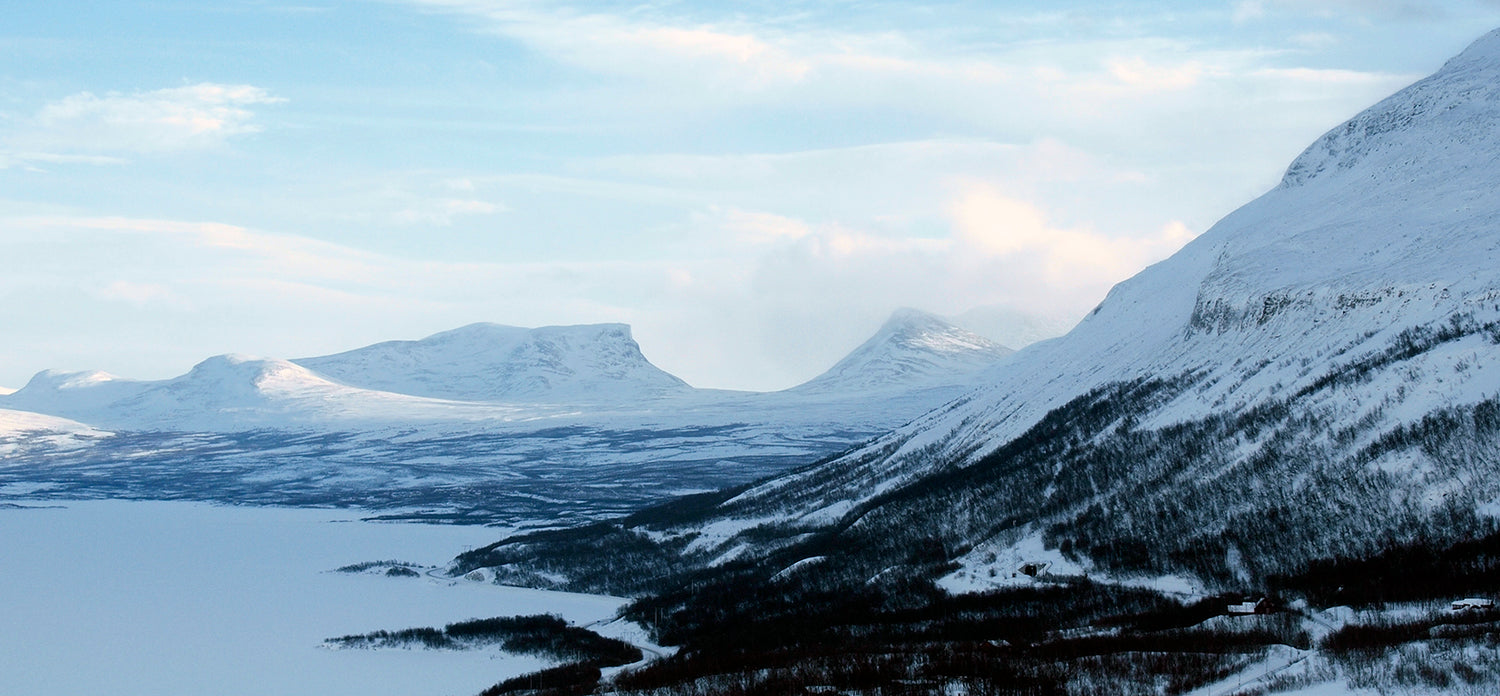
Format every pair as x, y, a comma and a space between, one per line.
163, 598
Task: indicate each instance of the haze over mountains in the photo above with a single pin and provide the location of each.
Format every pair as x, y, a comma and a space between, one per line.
404, 424
1314, 377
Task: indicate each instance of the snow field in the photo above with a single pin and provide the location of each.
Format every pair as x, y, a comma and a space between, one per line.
167, 598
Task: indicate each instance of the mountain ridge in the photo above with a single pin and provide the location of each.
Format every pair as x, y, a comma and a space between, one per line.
239, 429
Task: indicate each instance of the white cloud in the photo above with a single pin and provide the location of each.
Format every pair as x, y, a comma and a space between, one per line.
166, 120
743, 60
740, 317
1137, 73
34, 160
1247, 10
990, 223
1332, 77
1314, 41
641, 48
759, 228
137, 293
441, 212
1397, 10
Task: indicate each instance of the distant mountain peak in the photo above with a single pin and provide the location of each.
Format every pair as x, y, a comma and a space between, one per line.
494, 362
912, 349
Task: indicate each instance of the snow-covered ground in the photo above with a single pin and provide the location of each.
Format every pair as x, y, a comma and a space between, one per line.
166, 598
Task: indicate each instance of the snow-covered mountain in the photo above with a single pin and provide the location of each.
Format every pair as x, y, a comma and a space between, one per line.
70, 393
560, 423
1318, 375
913, 349
491, 362
224, 393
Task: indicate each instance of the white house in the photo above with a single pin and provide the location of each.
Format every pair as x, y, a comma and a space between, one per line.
1251, 607
1472, 604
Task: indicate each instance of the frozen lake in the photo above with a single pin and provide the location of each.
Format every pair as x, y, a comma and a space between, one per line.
166, 598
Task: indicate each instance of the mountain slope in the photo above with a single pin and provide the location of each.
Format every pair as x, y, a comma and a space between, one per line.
1318, 375
1317, 274
490, 362
912, 349
24, 435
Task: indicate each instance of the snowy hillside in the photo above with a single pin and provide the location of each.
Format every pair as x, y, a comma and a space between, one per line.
17, 422
490, 362
1316, 375
25, 436
913, 349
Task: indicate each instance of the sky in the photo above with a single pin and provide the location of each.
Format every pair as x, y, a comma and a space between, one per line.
753, 186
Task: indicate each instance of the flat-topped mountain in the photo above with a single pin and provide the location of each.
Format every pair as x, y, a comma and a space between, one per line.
491, 362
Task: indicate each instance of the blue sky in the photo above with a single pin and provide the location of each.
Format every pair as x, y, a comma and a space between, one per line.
753, 186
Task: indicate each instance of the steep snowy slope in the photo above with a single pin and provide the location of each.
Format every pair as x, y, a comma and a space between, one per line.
1317, 375
490, 362
912, 350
